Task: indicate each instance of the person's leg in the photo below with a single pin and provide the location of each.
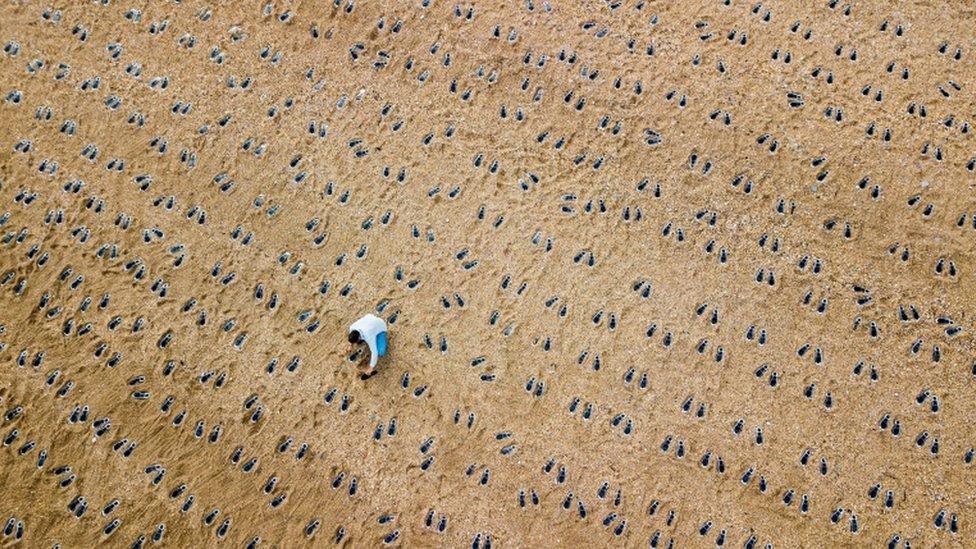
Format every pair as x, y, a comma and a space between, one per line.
381, 344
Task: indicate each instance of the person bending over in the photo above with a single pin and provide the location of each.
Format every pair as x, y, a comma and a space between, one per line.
370, 330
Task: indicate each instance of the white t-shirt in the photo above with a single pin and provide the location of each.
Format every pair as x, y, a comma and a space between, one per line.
369, 327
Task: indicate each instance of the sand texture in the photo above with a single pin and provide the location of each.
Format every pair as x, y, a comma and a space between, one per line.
666, 274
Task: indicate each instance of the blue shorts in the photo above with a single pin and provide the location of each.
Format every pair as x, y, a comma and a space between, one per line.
381, 344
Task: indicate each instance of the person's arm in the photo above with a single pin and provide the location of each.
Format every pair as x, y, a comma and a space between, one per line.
373, 353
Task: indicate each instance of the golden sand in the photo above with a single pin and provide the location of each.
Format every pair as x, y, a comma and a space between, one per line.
693, 273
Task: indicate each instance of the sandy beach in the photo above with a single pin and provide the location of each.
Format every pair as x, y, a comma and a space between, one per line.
666, 274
